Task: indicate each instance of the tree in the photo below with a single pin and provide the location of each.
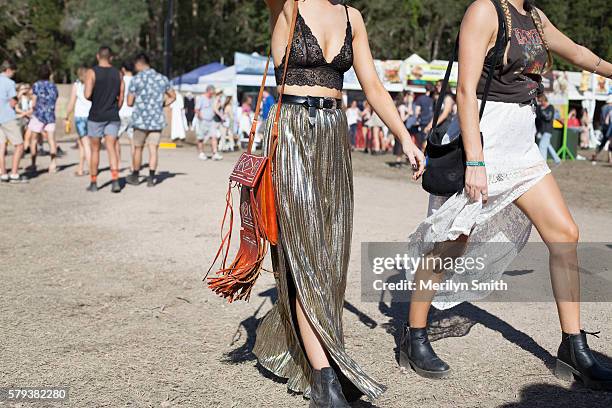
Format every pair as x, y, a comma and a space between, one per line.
34, 37
93, 23
67, 33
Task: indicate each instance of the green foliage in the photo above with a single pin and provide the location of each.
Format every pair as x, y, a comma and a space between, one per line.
67, 33
93, 23
34, 36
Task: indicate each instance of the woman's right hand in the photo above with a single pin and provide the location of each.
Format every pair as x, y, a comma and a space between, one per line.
476, 185
415, 156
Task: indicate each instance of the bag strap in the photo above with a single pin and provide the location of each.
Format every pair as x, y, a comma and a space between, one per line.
282, 84
498, 51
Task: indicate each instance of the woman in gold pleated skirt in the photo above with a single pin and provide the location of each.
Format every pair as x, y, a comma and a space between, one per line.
301, 338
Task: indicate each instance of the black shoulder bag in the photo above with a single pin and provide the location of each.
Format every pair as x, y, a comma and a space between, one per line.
445, 163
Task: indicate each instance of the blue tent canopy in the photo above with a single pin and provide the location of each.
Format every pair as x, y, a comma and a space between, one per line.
192, 77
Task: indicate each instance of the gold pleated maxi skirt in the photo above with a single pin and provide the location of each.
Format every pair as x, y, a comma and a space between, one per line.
314, 192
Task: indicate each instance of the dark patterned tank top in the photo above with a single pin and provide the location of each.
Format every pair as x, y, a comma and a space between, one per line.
307, 64
519, 80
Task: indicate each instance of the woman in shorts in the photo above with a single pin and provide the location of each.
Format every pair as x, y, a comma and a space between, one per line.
80, 106
43, 119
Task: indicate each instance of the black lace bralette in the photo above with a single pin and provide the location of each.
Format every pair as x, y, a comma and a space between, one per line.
307, 64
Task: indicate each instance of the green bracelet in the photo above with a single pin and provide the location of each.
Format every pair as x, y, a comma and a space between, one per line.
475, 163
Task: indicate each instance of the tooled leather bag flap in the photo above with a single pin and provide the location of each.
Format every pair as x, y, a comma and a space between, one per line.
249, 169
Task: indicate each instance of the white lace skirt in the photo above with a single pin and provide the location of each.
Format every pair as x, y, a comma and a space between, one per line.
514, 165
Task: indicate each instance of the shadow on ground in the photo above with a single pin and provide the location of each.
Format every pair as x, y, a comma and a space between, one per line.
548, 395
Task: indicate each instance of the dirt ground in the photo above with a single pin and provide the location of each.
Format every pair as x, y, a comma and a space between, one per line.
102, 293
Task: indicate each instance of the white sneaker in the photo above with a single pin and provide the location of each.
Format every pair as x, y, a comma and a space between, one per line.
202, 156
4, 177
217, 156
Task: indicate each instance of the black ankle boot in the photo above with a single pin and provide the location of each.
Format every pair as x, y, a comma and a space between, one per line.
416, 352
575, 359
326, 391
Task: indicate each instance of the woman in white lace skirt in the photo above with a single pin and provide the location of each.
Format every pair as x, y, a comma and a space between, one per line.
508, 186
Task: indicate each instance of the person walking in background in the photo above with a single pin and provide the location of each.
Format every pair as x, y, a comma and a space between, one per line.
377, 134
572, 119
353, 116
179, 121
207, 127
410, 116
227, 142
104, 88
24, 110
585, 125
80, 106
366, 116
266, 104
424, 114
218, 115
189, 109
545, 114
125, 113
446, 114
245, 121
43, 119
149, 93
403, 110
9, 127
606, 130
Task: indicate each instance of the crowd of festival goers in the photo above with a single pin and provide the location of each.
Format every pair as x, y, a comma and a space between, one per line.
107, 103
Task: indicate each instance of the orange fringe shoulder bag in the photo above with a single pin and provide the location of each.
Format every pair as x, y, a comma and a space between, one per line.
252, 177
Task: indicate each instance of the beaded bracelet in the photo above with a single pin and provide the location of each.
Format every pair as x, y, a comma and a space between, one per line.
475, 163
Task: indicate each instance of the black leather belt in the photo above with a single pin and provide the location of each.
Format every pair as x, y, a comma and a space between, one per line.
312, 103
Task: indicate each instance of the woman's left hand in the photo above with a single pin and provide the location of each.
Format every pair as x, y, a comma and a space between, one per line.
415, 156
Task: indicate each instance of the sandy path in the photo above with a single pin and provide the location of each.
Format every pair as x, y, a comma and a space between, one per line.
102, 293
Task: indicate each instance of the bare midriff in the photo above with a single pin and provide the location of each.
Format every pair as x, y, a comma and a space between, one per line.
312, 91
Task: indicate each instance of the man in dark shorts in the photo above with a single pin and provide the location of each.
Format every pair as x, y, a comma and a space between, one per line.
104, 88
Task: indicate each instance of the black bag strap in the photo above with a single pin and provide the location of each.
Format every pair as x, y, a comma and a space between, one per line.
498, 51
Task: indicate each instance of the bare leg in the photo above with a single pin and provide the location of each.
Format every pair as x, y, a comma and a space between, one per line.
33, 148
213, 143
546, 208
3, 158
17, 154
85, 140
132, 153
95, 157
153, 156
312, 345
375, 139
52, 151
27, 137
111, 149
118, 152
421, 299
79, 171
137, 158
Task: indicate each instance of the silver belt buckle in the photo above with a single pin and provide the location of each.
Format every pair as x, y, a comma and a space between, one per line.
333, 102
321, 103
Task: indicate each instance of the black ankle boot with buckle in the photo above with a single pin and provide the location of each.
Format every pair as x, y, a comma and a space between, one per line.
575, 359
326, 391
416, 353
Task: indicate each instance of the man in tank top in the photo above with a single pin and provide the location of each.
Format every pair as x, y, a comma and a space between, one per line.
104, 88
